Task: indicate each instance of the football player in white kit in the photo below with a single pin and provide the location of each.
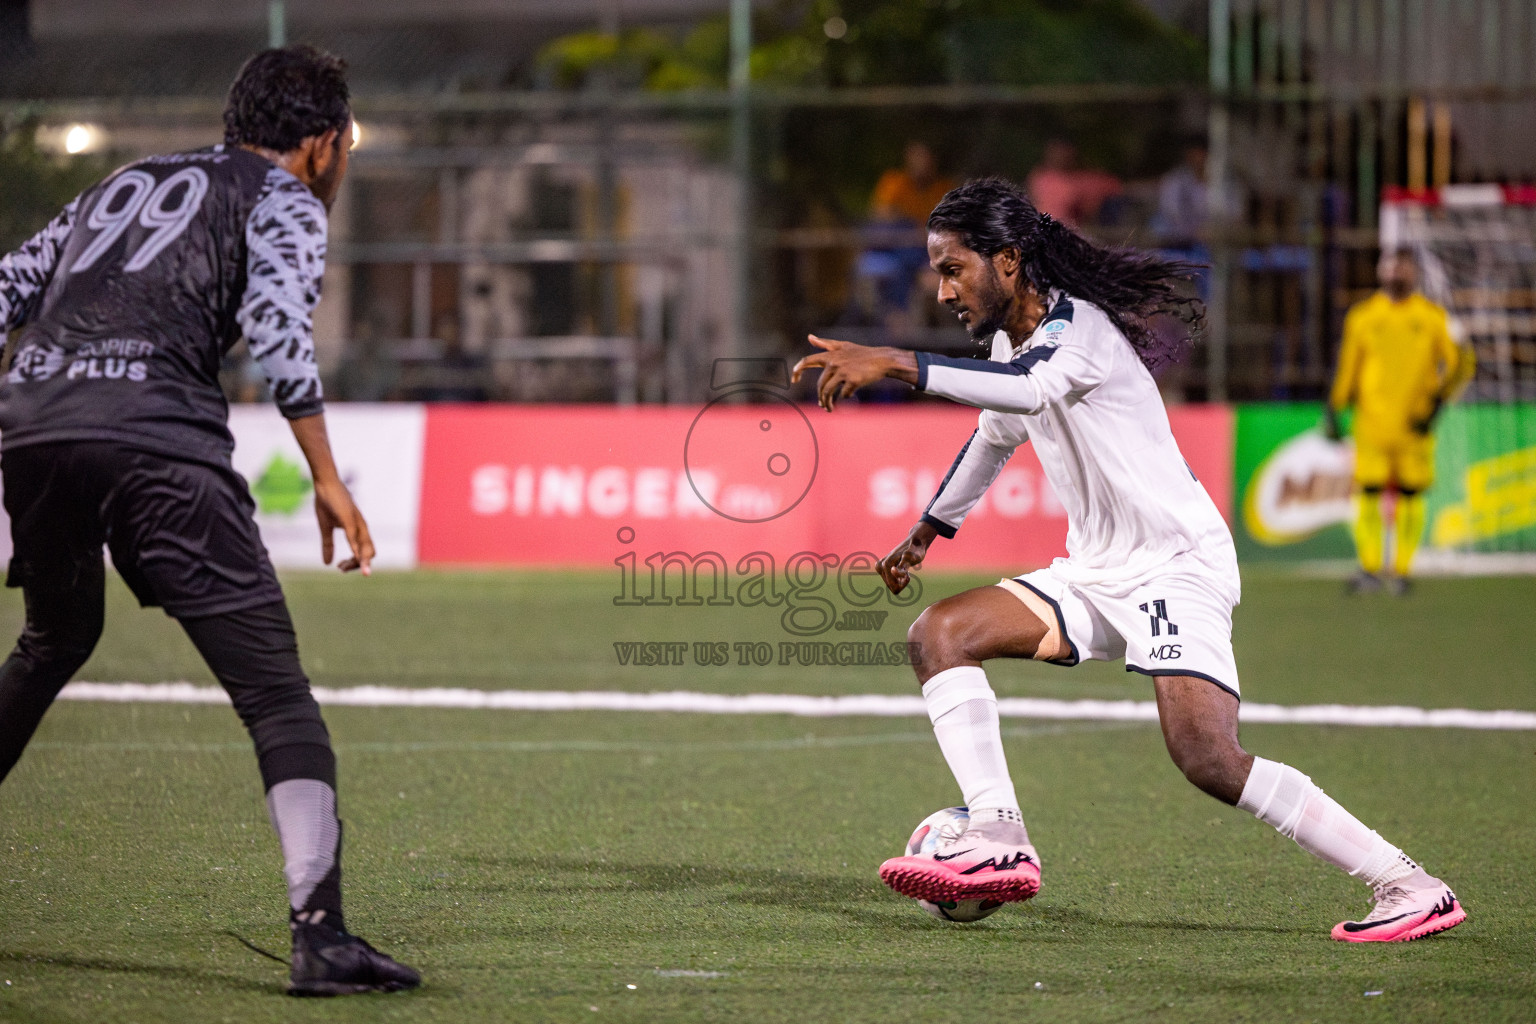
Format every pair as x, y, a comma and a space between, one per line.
1150, 573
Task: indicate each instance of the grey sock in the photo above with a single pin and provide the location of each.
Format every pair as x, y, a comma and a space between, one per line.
303, 812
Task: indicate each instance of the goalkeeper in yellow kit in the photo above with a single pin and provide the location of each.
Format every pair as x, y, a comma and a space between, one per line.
1397, 366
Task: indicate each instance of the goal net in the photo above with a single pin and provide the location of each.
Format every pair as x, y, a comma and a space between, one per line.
1476, 249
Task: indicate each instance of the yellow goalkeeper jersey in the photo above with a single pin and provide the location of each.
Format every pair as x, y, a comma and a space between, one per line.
1396, 361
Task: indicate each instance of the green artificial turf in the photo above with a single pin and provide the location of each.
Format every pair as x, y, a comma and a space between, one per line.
536, 865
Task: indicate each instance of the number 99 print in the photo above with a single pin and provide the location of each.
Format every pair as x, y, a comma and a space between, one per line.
164, 210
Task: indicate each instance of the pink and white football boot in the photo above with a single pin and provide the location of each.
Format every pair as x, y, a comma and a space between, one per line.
1404, 913
986, 863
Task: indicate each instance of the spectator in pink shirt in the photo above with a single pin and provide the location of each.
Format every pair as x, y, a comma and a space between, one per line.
1072, 194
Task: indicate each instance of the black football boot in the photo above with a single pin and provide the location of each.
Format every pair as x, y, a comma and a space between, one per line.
328, 961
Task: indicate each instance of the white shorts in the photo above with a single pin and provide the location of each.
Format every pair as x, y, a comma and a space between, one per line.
1175, 624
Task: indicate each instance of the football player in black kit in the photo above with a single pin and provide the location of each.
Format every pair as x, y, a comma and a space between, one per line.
113, 432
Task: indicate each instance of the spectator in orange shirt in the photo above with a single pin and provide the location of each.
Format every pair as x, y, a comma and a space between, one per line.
904, 196
908, 194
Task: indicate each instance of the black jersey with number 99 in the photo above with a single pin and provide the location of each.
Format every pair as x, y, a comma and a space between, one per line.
153, 273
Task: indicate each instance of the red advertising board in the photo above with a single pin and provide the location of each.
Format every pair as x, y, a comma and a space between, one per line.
521, 485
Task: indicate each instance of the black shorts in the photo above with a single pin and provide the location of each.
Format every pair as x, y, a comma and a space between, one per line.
181, 534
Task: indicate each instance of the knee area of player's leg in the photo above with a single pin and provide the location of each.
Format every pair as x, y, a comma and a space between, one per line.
279, 698
64, 657
937, 632
65, 648
1203, 772
928, 626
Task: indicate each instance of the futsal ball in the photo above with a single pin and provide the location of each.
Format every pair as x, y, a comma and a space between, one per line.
934, 831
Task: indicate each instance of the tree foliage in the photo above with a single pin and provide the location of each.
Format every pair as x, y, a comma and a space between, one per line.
34, 185
838, 43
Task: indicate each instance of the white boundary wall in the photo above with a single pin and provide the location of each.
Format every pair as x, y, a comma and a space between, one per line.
378, 450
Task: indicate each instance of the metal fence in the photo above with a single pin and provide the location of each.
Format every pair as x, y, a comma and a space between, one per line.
1316, 107
549, 246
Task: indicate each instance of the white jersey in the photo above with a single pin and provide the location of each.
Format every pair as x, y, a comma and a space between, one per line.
1078, 389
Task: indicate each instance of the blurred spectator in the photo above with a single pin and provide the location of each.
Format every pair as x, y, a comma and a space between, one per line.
1180, 225
903, 198
367, 373
1183, 204
453, 374
906, 195
1074, 195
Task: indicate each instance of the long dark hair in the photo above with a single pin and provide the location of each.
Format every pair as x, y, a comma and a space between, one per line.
1137, 290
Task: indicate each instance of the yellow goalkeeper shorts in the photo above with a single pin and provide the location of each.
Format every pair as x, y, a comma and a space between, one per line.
1406, 461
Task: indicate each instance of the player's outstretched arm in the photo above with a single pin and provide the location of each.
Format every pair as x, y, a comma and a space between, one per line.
896, 568
846, 367
334, 507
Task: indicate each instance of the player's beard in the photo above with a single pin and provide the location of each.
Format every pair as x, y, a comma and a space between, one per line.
328, 185
990, 310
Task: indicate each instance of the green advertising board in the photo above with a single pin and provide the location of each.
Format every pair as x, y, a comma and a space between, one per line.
1292, 485
1484, 498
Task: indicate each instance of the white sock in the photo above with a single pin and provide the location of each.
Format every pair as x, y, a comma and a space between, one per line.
963, 710
1283, 797
303, 812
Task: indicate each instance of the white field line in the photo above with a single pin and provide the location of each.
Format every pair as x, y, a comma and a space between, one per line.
865, 704
797, 743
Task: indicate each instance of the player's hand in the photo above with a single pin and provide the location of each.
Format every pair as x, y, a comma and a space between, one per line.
1424, 426
845, 367
336, 511
896, 568
1331, 428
